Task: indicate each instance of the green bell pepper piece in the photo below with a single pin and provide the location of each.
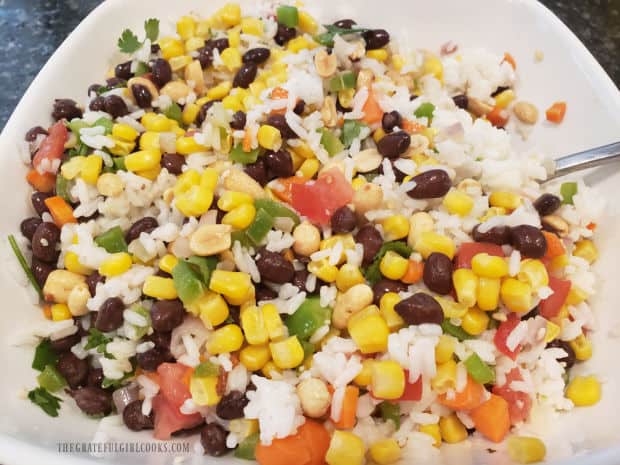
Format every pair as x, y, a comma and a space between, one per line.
567, 191
276, 209
308, 347
113, 240
247, 448
187, 282
479, 370
206, 370
51, 379
204, 266
288, 15
62, 187
242, 237
390, 411
262, 224
456, 331
343, 81
373, 273
330, 142
75, 125
245, 158
425, 110
309, 317
174, 112
119, 164
105, 123
141, 69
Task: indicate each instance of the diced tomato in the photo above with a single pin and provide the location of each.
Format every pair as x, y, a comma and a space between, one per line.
169, 419
468, 250
53, 145
319, 199
413, 391
498, 117
551, 306
172, 385
503, 331
519, 402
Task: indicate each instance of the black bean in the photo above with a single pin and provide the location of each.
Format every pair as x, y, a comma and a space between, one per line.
33, 133
371, 240
238, 120
64, 344
134, 419
161, 340
376, 38
499, 235
115, 106
343, 220
279, 122
345, 23
41, 270
123, 71
93, 401
231, 405
430, 184
66, 109
205, 57
94, 88
29, 226
246, 75
94, 378
438, 273
529, 241
167, 315
257, 171
570, 357
38, 202
116, 82
73, 369
220, 44
202, 114
152, 358
110, 315
161, 72
213, 440
155, 49
300, 106
284, 34
299, 279
97, 104
499, 90
173, 163
390, 120
142, 95
547, 204
279, 164
92, 280
461, 101
384, 286
265, 293
420, 308
44, 241
256, 55
393, 145
274, 267
146, 224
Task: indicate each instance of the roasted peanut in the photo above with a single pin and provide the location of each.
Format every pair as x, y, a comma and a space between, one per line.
355, 299
325, 63
420, 222
237, 180
59, 285
176, 90
210, 239
368, 197
367, 160
314, 397
77, 299
307, 239
526, 112
329, 114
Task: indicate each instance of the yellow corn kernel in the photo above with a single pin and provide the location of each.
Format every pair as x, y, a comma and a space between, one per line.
378, 134
230, 200
178, 63
379, 54
71, 168
348, 276
575, 296
91, 168
270, 369
309, 168
234, 37
444, 348
393, 266
194, 44
287, 354
188, 145
433, 431
60, 312
358, 182
300, 43
452, 430
503, 99
124, 132
488, 293
171, 47
194, 201
364, 377
386, 307
269, 137
451, 309
385, 451
150, 174
445, 376
253, 325
534, 273
142, 161
388, 379
475, 321
584, 391
232, 102
369, 330
524, 449
582, 347
203, 29
156, 122
254, 358
211, 308
303, 150
395, 227
458, 203
586, 249
122, 148
190, 113
432, 65
231, 57
346, 240
429, 242
345, 448
115, 264
323, 270
150, 141
257, 88
491, 212
559, 262
398, 62
552, 331
466, 286
226, 339
230, 14
273, 322
209, 178
516, 295
506, 200
489, 266
240, 217
235, 286
186, 27
252, 26
204, 390
307, 23
159, 288
72, 263
220, 91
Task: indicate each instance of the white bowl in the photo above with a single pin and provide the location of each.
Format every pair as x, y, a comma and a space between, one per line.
568, 72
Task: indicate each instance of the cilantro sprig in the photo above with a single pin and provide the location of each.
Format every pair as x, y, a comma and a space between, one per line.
49, 403
129, 42
327, 38
96, 339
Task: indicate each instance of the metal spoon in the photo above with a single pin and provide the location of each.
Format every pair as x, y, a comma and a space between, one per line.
587, 159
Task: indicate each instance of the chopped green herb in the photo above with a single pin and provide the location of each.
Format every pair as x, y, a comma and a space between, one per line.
351, 131
568, 191
51, 379
128, 42
327, 38
24, 264
456, 331
119, 163
49, 403
44, 355
105, 123
288, 15
96, 339
239, 156
330, 142
425, 110
207, 369
373, 274
390, 411
174, 112
140, 310
116, 383
479, 370
151, 28
113, 240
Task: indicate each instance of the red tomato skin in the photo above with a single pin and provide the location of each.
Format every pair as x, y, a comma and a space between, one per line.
53, 146
550, 307
519, 402
319, 199
468, 250
171, 377
504, 329
169, 419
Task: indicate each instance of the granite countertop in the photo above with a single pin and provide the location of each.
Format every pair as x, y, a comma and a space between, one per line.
30, 31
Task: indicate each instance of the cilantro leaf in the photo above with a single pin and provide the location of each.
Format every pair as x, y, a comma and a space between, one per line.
373, 274
44, 355
151, 27
96, 339
327, 38
128, 42
49, 403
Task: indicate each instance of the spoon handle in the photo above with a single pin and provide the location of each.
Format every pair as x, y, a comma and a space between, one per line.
587, 159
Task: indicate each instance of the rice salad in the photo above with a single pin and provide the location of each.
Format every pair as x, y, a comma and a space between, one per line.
308, 244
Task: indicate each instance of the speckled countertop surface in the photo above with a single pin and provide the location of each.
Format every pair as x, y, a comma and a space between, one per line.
30, 31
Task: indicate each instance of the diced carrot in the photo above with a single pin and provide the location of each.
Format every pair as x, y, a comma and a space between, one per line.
498, 117
247, 141
555, 248
412, 127
317, 440
61, 211
555, 113
41, 182
469, 398
285, 192
492, 418
591, 226
187, 377
372, 111
510, 59
414, 272
279, 93
349, 408
284, 451
47, 311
